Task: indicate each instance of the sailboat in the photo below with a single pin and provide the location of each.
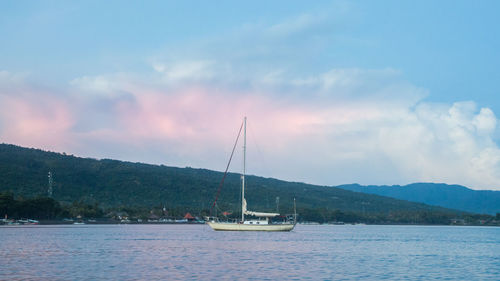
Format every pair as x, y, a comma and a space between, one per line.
258, 221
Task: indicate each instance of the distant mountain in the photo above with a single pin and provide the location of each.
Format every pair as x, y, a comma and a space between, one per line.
449, 196
114, 183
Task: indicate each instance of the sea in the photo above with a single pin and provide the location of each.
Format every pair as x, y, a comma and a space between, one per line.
195, 252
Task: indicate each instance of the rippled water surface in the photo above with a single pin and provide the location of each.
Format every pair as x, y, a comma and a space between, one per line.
183, 252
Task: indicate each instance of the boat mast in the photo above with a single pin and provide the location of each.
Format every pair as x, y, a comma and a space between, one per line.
294, 212
244, 168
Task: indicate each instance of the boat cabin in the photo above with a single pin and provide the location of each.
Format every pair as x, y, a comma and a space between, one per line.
257, 221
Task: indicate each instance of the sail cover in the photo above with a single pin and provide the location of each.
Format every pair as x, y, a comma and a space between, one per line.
257, 214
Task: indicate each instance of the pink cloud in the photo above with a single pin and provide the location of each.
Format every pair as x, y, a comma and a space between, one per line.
35, 119
325, 139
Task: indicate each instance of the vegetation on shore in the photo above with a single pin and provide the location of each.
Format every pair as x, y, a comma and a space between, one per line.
44, 208
103, 188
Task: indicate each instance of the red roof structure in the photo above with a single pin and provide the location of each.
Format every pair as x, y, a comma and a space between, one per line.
189, 216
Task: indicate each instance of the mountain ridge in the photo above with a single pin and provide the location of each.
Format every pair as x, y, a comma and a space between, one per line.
451, 196
119, 183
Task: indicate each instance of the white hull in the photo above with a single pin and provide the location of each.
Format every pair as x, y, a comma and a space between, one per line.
221, 226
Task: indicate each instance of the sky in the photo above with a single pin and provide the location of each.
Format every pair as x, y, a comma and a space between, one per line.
336, 92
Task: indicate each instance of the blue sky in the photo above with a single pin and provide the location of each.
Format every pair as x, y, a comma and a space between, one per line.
447, 47
348, 78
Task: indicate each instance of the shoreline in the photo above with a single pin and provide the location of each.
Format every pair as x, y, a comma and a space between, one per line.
46, 223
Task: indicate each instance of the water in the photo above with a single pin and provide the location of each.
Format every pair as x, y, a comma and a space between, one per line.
184, 252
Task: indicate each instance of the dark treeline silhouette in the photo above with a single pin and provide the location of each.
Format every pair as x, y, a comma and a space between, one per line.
44, 208
37, 208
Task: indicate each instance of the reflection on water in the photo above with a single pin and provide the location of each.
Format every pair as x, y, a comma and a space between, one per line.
142, 252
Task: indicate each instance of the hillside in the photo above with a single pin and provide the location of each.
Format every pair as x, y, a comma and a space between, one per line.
448, 196
114, 183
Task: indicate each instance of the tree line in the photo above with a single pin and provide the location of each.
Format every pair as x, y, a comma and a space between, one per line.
45, 208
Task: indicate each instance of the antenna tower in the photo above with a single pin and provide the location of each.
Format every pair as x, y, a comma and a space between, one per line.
50, 184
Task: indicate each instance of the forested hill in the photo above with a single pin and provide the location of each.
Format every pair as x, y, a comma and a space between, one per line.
114, 183
449, 196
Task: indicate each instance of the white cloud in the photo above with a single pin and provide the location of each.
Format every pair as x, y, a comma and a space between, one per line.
181, 71
485, 122
442, 143
295, 25
100, 84
7, 77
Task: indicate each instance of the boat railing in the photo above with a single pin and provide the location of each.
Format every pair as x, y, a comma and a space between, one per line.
221, 220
